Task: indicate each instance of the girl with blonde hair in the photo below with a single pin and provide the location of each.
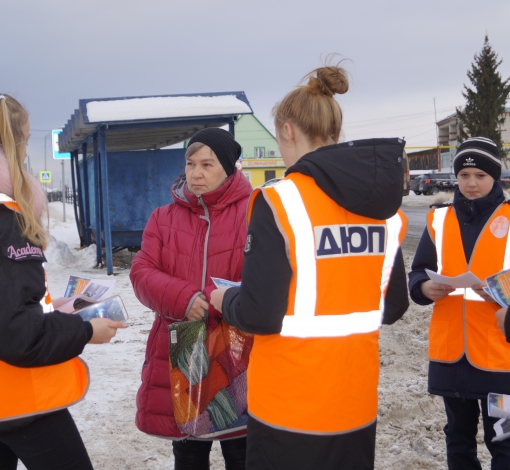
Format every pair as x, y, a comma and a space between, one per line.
40, 374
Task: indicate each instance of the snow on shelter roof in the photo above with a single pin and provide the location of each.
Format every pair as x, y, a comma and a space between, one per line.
150, 122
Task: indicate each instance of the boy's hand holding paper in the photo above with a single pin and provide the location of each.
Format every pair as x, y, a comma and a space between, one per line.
462, 281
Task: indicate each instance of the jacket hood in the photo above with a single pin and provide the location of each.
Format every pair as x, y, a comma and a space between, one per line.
234, 188
365, 177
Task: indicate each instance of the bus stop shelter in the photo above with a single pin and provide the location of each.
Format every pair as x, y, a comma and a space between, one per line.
125, 171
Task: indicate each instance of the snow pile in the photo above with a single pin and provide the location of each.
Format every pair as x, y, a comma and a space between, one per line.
410, 421
414, 200
58, 252
64, 238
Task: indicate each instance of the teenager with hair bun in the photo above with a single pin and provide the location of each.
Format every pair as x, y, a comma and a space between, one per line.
40, 374
323, 269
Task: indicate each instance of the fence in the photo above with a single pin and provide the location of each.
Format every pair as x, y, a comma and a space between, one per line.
54, 195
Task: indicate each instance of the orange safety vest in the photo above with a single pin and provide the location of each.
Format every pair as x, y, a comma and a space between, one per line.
464, 323
28, 391
320, 374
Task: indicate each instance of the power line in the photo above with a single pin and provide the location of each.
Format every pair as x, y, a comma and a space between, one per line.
397, 129
365, 123
417, 135
401, 116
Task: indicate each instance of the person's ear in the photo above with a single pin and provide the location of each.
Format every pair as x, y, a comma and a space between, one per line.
288, 132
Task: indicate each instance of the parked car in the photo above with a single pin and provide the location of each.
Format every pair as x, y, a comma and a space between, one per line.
414, 184
432, 183
505, 179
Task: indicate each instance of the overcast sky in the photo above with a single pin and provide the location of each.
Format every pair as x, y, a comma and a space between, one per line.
403, 54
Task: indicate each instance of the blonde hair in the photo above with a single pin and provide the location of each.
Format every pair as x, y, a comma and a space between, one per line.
12, 119
312, 108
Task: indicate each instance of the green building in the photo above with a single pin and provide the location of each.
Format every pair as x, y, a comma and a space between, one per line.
261, 157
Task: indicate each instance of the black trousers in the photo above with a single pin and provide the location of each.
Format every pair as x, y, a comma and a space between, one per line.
461, 429
50, 442
194, 455
274, 449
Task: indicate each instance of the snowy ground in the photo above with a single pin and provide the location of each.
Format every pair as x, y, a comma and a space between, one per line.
409, 432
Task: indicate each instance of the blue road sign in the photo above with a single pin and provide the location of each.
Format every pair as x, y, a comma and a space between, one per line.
45, 177
54, 144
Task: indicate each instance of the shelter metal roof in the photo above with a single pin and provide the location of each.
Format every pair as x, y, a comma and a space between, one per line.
150, 122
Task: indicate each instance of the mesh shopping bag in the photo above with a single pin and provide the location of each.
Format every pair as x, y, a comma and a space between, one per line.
208, 362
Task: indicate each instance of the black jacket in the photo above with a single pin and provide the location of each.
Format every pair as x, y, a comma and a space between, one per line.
365, 177
460, 379
29, 338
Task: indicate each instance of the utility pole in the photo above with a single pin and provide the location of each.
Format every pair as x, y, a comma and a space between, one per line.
45, 147
63, 192
437, 138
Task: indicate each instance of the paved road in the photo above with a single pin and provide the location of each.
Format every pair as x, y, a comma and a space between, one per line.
416, 222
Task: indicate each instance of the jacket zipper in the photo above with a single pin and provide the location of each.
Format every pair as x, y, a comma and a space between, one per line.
206, 241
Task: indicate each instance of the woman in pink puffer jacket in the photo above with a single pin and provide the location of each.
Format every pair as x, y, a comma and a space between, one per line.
201, 234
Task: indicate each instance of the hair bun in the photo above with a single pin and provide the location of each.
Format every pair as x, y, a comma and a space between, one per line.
335, 79
329, 80
316, 85
311, 106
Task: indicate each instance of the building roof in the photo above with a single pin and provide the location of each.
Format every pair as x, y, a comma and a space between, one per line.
150, 122
451, 116
261, 125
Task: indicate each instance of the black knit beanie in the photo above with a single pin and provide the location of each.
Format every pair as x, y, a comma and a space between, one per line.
222, 144
480, 153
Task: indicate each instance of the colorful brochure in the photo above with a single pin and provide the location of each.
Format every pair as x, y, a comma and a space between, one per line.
221, 283
498, 286
498, 406
95, 289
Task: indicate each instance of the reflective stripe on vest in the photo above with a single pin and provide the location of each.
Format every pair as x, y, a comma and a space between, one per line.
306, 378
438, 225
38, 390
463, 323
304, 323
46, 301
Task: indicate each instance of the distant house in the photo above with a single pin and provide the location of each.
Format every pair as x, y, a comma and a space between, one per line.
422, 160
261, 158
448, 132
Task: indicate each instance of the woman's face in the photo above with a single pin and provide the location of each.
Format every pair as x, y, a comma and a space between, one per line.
474, 183
204, 172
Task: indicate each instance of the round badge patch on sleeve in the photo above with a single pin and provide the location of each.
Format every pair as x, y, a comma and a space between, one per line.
248, 244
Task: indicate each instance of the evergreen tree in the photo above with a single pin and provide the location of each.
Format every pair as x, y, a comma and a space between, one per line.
484, 113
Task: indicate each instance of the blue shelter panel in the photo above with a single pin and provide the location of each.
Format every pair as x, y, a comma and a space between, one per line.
138, 182
90, 208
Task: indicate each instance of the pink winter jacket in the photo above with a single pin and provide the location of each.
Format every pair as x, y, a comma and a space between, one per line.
183, 245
